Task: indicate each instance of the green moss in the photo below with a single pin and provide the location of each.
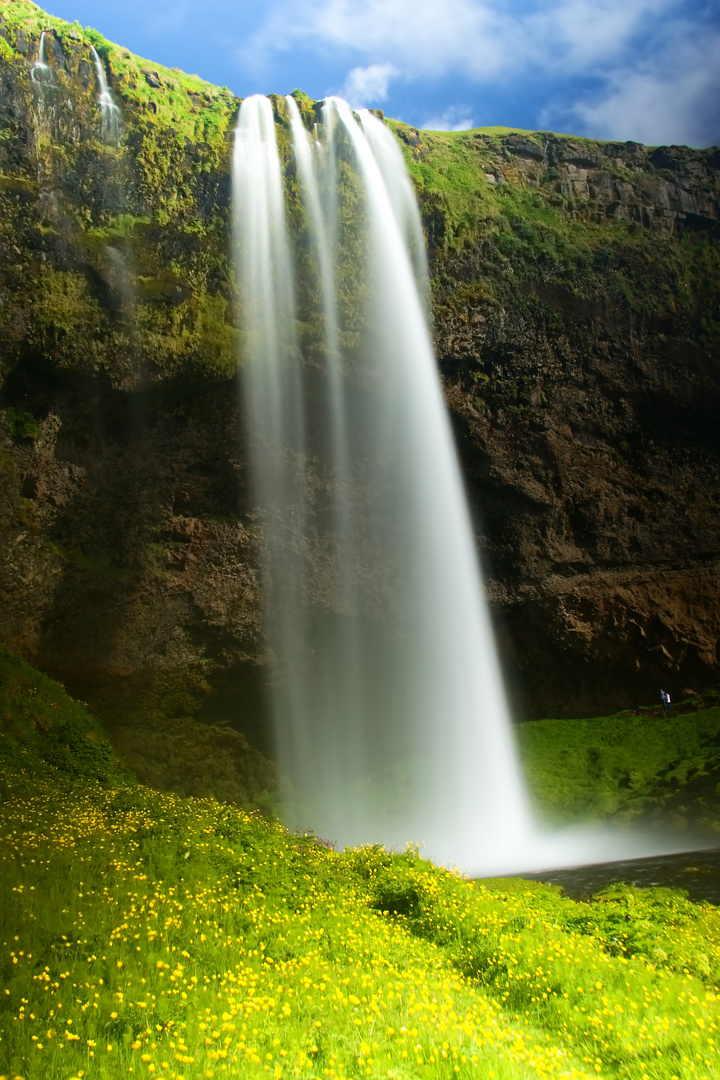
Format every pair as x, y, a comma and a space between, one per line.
629, 765
41, 724
7, 463
65, 314
21, 425
216, 336
159, 195
97, 563
120, 226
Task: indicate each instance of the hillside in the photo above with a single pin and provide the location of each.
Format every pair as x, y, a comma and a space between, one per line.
148, 934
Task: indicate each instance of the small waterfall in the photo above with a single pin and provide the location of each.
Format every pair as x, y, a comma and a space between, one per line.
390, 713
41, 73
46, 93
44, 83
110, 112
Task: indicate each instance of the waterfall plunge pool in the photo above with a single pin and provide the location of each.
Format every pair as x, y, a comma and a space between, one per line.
697, 872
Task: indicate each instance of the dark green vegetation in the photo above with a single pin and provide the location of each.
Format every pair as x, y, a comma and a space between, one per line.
154, 731
635, 765
125, 270
146, 934
44, 730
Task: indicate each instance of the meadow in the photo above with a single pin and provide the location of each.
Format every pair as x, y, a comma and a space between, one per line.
147, 934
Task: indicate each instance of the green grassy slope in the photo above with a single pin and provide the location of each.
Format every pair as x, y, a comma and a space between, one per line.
44, 732
635, 764
146, 934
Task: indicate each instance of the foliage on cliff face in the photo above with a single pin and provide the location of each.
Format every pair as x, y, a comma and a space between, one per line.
116, 253
118, 249
602, 221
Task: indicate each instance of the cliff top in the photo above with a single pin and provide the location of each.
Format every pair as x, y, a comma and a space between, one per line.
177, 97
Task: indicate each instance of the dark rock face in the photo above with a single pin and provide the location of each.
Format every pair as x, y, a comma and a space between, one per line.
598, 504
589, 432
577, 337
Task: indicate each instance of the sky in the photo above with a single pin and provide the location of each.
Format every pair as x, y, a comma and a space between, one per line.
646, 70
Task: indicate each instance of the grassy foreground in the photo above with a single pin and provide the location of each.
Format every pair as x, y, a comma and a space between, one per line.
146, 934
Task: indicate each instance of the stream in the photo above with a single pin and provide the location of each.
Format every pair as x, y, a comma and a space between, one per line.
698, 872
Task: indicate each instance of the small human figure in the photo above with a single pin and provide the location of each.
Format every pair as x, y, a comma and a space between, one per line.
666, 703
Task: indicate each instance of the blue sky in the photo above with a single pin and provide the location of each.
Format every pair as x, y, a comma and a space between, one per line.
647, 70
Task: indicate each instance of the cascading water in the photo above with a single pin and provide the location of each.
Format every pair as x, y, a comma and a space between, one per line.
109, 110
389, 707
390, 713
41, 73
44, 84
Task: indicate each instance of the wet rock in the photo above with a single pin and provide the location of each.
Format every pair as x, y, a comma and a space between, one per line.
54, 50
22, 42
410, 136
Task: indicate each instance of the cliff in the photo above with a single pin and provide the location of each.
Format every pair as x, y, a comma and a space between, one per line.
576, 314
575, 295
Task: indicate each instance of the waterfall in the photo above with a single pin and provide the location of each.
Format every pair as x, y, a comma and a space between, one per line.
109, 110
390, 161
41, 72
44, 82
390, 715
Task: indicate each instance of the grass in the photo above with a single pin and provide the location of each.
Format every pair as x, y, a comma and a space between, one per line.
146, 934
476, 198
637, 763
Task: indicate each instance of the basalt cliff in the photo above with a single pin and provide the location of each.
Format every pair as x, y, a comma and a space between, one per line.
575, 294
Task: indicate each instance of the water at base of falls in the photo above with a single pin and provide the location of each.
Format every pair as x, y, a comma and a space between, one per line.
390, 713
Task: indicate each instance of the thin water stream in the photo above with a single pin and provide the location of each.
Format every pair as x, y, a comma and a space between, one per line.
109, 109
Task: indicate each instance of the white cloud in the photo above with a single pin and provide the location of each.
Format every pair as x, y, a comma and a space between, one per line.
454, 118
367, 85
652, 62
586, 34
421, 36
672, 97
483, 39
